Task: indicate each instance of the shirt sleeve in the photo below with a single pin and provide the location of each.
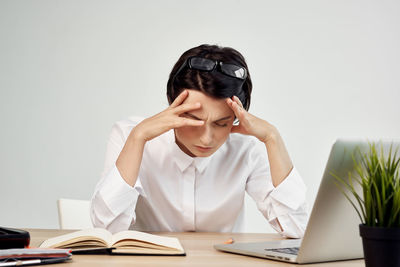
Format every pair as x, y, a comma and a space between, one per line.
113, 202
284, 204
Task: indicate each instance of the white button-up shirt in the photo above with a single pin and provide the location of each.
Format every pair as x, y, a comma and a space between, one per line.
176, 192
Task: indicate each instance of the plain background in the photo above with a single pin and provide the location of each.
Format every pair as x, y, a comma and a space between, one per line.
70, 69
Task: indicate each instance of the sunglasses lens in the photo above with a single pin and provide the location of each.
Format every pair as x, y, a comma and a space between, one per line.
234, 71
204, 64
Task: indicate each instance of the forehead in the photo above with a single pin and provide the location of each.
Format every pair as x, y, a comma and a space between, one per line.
216, 107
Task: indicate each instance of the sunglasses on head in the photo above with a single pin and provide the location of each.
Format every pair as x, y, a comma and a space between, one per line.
205, 64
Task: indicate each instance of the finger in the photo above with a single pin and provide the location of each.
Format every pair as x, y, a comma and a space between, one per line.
188, 122
239, 111
180, 98
236, 108
186, 107
237, 100
230, 102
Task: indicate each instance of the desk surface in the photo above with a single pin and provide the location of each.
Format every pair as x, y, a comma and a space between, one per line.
199, 252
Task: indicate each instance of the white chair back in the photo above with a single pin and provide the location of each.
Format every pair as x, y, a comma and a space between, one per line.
74, 214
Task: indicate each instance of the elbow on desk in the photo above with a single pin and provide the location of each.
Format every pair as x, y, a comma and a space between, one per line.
290, 226
102, 217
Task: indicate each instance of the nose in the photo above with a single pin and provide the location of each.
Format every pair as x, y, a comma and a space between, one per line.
206, 136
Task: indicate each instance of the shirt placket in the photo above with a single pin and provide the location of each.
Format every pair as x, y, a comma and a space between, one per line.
188, 199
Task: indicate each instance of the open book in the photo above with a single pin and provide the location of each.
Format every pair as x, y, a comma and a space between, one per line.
125, 242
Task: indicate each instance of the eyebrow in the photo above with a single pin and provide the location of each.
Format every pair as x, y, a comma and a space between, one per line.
221, 119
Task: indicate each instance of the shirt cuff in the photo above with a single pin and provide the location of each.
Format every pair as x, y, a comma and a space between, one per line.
118, 195
291, 192
292, 226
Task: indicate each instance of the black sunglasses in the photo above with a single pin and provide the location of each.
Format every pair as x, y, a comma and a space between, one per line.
205, 64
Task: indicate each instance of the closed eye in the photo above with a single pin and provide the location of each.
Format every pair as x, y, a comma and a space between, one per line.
221, 124
191, 116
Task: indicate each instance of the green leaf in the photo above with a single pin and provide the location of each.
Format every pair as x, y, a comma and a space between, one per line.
378, 177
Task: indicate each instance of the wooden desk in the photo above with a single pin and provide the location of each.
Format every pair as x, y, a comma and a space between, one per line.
199, 252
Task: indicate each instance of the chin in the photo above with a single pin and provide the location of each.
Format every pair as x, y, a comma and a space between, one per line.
202, 154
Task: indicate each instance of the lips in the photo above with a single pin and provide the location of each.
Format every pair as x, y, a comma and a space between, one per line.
203, 148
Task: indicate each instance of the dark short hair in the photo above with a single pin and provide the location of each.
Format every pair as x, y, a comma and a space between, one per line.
214, 83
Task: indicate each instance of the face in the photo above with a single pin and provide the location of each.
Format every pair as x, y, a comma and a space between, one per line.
218, 117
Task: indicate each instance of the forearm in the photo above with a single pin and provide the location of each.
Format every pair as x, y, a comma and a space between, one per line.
130, 158
278, 157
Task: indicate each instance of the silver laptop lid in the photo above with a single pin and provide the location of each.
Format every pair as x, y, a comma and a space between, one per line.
332, 232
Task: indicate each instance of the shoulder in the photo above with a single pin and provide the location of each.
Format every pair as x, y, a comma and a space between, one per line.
239, 142
124, 127
246, 147
131, 121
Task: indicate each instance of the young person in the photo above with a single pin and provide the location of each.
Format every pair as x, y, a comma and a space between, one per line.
188, 167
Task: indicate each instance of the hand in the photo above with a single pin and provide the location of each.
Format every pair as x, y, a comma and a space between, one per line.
167, 119
278, 157
250, 124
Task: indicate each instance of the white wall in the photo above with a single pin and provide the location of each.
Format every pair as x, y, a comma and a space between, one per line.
69, 69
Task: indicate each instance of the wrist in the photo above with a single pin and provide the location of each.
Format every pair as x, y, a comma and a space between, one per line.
137, 135
272, 134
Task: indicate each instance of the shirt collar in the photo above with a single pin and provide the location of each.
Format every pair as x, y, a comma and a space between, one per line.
201, 163
183, 160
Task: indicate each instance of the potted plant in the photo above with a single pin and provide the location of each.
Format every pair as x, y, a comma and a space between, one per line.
377, 203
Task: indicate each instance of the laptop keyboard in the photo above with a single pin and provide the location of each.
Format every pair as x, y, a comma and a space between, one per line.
293, 251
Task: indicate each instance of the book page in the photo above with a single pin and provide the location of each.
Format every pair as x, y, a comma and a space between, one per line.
134, 244
147, 251
125, 236
100, 235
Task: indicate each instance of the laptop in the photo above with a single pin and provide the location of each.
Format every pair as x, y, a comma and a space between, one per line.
332, 231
